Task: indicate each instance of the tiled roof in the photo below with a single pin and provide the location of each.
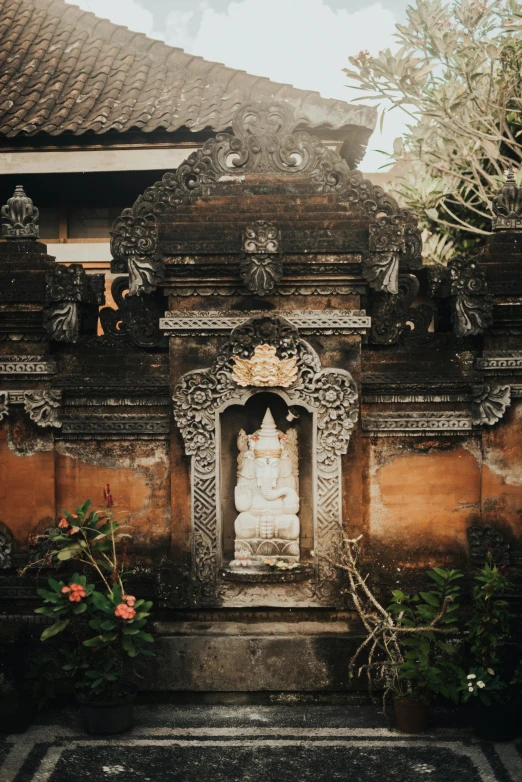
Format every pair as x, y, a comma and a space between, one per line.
64, 70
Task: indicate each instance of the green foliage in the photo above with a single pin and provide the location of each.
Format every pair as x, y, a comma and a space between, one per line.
457, 75
96, 664
488, 636
428, 663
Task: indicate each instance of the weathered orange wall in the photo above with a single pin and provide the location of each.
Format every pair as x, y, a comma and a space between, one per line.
27, 487
423, 495
502, 472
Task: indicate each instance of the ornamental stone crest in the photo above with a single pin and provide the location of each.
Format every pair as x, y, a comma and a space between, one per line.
329, 394
264, 140
20, 217
265, 368
463, 283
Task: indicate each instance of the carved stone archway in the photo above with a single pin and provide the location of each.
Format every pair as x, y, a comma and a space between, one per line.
200, 396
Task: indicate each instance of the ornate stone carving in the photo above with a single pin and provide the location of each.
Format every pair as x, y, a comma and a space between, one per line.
116, 426
417, 422
4, 401
502, 360
262, 265
265, 368
200, 394
307, 321
19, 217
137, 317
490, 403
43, 407
26, 365
507, 206
464, 284
66, 286
284, 289
391, 236
394, 318
486, 539
6, 548
262, 142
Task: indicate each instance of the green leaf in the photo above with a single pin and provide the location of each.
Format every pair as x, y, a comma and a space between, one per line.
57, 587
69, 552
79, 608
128, 645
54, 629
101, 602
145, 637
96, 641
430, 598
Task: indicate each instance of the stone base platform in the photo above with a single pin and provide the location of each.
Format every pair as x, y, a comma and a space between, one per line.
252, 656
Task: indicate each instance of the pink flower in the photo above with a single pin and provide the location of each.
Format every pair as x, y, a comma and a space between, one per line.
65, 590
63, 523
77, 592
124, 611
74, 515
130, 600
73, 530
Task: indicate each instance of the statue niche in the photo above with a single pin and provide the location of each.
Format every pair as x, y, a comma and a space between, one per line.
266, 495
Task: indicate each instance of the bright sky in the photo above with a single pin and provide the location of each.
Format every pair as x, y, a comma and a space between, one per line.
301, 42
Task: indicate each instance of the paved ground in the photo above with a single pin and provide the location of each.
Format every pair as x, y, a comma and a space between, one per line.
300, 743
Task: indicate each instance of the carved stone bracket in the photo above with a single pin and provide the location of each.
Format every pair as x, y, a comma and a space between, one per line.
391, 237
489, 403
263, 141
484, 540
262, 264
198, 397
67, 288
19, 217
393, 317
507, 206
464, 284
4, 401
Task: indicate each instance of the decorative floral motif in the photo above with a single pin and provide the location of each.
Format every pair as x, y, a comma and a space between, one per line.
489, 403
43, 407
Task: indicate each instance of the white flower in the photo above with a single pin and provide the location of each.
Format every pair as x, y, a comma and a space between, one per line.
471, 676
480, 684
470, 688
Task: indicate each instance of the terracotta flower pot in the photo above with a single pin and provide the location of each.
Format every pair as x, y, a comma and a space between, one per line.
410, 715
109, 716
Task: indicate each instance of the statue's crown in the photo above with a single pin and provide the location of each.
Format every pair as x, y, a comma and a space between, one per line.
267, 443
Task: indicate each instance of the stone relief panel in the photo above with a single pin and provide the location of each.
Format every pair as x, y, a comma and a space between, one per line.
199, 397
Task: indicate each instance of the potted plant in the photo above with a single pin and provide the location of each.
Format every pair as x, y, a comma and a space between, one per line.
98, 602
410, 645
488, 681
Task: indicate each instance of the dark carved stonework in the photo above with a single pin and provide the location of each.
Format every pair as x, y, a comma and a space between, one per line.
19, 217
484, 540
6, 548
65, 290
4, 401
490, 403
262, 264
137, 317
393, 317
390, 237
464, 284
263, 141
507, 206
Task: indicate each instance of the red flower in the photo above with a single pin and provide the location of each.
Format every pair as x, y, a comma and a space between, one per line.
77, 592
130, 600
73, 530
65, 590
63, 523
107, 496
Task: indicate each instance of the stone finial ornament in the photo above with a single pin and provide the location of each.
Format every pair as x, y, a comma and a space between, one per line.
507, 206
20, 217
264, 369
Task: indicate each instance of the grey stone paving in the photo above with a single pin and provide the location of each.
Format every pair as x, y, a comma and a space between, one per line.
253, 744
